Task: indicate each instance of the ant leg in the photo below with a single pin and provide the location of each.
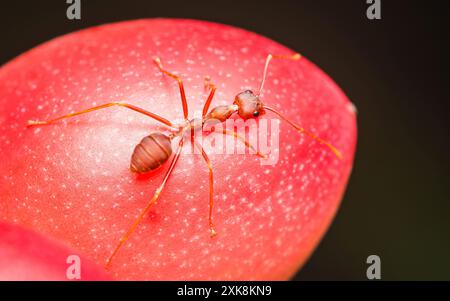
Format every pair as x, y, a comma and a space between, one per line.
130, 231
247, 144
293, 57
212, 88
158, 63
303, 131
211, 189
107, 105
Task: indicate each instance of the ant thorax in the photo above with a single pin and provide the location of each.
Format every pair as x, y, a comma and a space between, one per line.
184, 125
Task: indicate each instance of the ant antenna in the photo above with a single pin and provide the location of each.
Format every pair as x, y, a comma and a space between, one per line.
294, 57
302, 130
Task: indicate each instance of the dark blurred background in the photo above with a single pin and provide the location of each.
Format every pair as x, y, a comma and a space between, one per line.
395, 70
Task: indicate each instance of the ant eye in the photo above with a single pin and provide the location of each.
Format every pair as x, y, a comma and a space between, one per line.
256, 113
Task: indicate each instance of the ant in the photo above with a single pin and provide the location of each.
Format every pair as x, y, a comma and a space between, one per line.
155, 149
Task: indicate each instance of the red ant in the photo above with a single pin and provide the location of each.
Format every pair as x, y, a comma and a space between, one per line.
155, 149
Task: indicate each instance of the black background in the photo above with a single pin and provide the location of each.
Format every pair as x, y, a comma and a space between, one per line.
395, 70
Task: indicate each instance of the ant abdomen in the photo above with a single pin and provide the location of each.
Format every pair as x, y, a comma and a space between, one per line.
153, 151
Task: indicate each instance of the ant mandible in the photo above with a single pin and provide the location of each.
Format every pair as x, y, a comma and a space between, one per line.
155, 149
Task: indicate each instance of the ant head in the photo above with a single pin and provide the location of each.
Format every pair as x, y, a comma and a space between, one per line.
249, 105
